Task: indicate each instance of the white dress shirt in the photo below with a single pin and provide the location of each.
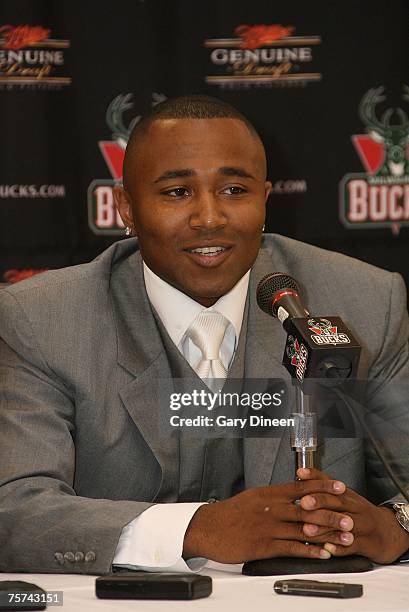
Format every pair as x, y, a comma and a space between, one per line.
153, 541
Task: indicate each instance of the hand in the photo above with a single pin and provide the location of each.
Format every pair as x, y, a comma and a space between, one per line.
375, 533
260, 523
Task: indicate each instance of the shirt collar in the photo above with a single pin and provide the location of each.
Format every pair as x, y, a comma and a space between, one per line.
177, 310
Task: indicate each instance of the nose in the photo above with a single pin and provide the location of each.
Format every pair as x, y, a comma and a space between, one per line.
208, 212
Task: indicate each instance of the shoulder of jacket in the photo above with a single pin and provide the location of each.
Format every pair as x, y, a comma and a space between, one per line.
295, 255
54, 284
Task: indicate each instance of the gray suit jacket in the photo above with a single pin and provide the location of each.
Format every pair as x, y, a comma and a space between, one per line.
80, 357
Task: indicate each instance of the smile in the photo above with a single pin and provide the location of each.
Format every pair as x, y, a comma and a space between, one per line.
209, 256
208, 251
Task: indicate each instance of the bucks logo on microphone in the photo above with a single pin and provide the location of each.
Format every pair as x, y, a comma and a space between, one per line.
326, 333
297, 355
316, 345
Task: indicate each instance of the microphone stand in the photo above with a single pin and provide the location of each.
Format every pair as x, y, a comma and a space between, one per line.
303, 441
304, 433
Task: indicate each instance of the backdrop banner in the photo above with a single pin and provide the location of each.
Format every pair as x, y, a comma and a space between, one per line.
325, 83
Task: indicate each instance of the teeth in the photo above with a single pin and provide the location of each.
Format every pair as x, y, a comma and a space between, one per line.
208, 250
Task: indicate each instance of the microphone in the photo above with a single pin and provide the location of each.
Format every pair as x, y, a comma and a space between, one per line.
278, 296
316, 346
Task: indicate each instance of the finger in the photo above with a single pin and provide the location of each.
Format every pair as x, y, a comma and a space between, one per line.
339, 551
312, 474
315, 534
324, 500
287, 531
311, 533
333, 521
299, 488
285, 548
313, 530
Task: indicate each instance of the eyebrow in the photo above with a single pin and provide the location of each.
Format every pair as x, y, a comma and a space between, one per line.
231, 171
183, 172
171, 174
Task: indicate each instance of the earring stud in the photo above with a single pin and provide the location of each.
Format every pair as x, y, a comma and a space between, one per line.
128, 231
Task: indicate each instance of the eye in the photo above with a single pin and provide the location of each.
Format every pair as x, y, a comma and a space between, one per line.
234, 190
177, 192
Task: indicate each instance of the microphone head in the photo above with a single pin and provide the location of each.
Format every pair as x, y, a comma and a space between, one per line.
269, 285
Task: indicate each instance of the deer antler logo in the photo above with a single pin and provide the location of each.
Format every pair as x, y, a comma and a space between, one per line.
114, 150
393, 136
114, 116
322, 327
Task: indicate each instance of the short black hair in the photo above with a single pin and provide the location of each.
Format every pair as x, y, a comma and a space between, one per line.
183, 107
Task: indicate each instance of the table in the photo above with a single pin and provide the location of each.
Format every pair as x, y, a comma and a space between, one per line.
386, 589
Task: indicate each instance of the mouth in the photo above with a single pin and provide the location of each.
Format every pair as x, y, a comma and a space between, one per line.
209, 256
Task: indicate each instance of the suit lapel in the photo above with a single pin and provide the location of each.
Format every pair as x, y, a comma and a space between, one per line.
141, 353
264, 351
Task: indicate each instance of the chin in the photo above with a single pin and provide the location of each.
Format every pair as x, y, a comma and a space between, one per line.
208, 297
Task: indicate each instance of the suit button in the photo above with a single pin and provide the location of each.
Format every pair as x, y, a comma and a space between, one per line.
69, 556
90, 556
59, 557
79, 556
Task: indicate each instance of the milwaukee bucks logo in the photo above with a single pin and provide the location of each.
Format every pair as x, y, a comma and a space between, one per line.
103, 217
293, 350
390, 132
380, 196
322, 326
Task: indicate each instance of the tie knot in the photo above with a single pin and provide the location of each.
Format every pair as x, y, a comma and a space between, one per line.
207, 332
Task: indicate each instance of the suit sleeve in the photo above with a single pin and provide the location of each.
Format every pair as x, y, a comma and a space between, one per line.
45, 526
388, 395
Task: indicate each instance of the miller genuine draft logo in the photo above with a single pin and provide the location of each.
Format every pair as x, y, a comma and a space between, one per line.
380, 196
29, 58
103, 217
262, 56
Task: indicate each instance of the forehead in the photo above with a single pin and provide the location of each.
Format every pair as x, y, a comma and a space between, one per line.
200, 144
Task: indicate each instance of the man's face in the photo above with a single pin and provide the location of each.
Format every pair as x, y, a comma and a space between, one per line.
196, 202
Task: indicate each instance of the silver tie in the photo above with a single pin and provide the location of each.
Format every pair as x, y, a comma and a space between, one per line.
207, 332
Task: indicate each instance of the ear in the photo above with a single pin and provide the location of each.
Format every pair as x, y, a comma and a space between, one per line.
267, 190
123, 203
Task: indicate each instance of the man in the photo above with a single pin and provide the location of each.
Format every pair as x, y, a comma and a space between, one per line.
87, 480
